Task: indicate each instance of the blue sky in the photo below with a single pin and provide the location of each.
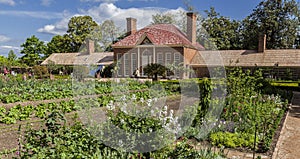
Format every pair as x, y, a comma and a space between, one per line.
21, 19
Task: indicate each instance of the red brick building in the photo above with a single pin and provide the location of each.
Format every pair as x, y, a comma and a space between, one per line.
161, 43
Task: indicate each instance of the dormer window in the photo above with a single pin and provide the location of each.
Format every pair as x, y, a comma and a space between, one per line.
146, 41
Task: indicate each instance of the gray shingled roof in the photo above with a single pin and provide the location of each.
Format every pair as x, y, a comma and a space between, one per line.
246, 58
100, 58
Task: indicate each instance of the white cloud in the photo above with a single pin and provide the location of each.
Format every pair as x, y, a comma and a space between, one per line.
106, 1
8, 47
4, 38
53, 29
41, 15
46, 2
8, 2
4, 50
109, 11
142, 0
60, 27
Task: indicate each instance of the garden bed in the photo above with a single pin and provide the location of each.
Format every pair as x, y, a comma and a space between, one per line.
245, 112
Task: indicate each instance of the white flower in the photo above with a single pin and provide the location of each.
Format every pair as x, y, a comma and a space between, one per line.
142, 100
164, 121
149, 104
133, 97
171, 112
165, 107
165, 113
123, 109
120, 142
160, 114
110, 105
152, 112
123, 98
150, 130
176, 119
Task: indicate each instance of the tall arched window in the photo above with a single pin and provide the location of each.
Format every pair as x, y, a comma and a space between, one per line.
146, 58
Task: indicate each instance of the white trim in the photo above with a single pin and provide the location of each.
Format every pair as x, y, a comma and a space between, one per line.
126, 62
133, 68
138, 57
160, 54
177, 54
177, 61
166, 59
120, 63
154, 53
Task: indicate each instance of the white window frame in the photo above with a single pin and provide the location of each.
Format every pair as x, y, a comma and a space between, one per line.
134, 62
160, 58
168, 61
177, 61
126, 64
119, 60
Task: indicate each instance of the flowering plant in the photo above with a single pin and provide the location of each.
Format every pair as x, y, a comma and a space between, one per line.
140, 125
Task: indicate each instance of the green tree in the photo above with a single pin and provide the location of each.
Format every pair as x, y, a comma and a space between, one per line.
12, 59
250, 33
78, 29
221, 32
297, 41
58, 44
163, 18
12, 56
154, 70
3, 61
110, 32
33, 50
178, 19
278, 19
104, 35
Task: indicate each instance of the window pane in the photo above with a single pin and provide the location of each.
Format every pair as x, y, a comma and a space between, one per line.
160, 58
133, 62
126, 64
119, 56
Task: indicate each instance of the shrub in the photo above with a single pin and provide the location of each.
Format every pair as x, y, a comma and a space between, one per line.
232, 140
80, 72
154, 70
40, 71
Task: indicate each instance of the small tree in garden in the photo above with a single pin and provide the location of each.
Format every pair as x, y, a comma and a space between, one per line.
108, 71
40, 71
154, 70
80, 72
52, 67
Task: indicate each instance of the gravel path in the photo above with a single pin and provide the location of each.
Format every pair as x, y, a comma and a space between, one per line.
289, 141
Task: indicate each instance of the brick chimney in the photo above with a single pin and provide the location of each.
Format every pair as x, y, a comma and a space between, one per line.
131, 26
90, 46
262, 40
191, 26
